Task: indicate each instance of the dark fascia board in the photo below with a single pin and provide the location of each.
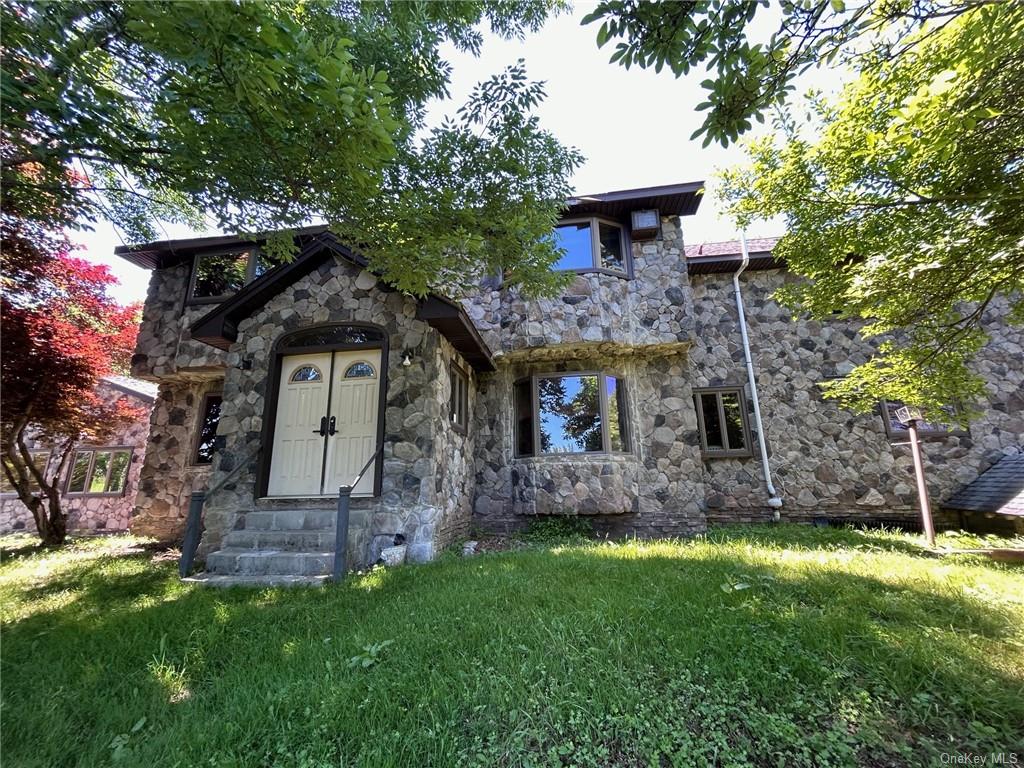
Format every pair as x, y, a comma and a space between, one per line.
219, 327
714, 265
669, 199
454, 324
165, 253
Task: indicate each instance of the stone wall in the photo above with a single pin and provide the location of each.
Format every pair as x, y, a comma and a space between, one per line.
652, 308
169, 475
165, 346
90, 514
418, 453
653, 490
828, 461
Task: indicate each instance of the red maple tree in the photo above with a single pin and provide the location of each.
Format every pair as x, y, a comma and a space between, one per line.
61, 333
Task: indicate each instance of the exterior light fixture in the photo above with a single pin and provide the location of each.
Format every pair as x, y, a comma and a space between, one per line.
406, 359
645, 224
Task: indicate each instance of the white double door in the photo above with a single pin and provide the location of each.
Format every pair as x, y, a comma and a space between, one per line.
325, 429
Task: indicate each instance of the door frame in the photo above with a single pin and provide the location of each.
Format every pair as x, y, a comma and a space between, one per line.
279, 351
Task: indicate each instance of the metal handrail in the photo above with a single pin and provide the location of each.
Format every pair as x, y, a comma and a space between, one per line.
341, 523
193, 524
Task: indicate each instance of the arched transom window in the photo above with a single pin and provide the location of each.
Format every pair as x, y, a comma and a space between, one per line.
360, 370
306, 373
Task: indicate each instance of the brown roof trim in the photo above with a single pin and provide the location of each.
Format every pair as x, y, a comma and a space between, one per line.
454, 324
716, 265
669, 199
219, 327
165, 253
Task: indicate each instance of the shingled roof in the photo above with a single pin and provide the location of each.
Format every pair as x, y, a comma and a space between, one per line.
998, 489
725, 256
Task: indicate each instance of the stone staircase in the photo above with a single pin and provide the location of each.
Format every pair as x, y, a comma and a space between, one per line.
276, 547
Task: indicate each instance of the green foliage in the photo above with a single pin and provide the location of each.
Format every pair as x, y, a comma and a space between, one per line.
559, 530
752, 76
265, 115
848, 648
904, 205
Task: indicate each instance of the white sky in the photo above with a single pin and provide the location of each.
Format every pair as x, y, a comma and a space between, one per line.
633, 127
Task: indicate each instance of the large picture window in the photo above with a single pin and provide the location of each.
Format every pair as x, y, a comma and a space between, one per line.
99, 471
221, 274
591, 245
570, 413
722, 419
208, 420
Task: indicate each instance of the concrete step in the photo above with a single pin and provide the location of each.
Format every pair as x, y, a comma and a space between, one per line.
288, 541
261, 580
259, 562
291, 520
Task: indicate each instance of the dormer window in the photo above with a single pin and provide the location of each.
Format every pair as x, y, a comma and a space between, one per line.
592, 245
218, 275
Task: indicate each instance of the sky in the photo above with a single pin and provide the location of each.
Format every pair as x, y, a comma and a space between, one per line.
633, 126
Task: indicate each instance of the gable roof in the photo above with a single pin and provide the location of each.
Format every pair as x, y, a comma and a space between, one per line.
219, 327
998, 489
725, 256
143, 390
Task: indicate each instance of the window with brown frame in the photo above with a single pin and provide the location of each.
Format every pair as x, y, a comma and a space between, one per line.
207, 433
99, 471
218, 275
567, 413
39, 458
592, 245
722, 419
459, 401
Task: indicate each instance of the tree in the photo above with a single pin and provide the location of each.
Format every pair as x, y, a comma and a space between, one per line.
266, 115
61, 333
903, 199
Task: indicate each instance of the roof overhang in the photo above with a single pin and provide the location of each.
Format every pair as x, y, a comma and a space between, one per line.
716, 265
669, 200
219, 327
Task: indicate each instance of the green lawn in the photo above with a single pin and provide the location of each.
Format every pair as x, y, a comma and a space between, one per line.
759, 646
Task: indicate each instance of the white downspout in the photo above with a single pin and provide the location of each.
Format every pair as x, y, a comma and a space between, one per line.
773, 498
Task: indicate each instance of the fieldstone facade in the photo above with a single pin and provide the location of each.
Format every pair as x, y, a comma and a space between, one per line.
94, 513
665, 330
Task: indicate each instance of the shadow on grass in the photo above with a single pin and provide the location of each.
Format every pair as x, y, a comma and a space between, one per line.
550, 645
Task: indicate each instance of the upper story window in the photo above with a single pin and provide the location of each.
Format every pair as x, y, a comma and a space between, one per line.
570, 413
218, 275
591, 245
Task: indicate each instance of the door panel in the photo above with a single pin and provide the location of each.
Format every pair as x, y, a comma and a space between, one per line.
296, 465
354, 397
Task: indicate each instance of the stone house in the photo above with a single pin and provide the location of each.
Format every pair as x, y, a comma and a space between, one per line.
627, 399
100, 482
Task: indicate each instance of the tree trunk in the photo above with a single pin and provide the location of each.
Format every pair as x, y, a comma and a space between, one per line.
54, 530
40, 494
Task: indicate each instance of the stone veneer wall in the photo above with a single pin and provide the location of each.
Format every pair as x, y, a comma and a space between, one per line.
654, 490
169, 475
827, 461
90, 514
418, 451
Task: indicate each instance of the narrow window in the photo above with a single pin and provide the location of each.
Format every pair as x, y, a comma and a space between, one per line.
610, 248
79, 472
209, 418
722, 419
618, 439
523, 404
100, 469
459, 402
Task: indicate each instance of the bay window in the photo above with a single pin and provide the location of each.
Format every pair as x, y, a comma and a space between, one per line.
570, 413
591, 244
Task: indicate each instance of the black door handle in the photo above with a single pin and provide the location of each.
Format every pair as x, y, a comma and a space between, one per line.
334, 423
323, 427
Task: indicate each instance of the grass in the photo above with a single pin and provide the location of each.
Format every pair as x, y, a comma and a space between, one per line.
754, 646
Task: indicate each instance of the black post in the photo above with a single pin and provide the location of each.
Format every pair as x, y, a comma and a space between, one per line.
190, 542
341, 532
